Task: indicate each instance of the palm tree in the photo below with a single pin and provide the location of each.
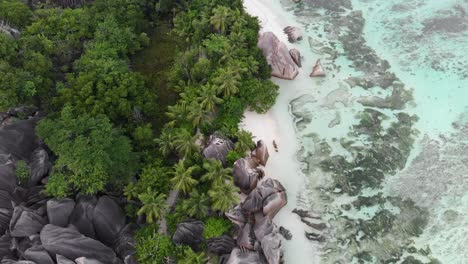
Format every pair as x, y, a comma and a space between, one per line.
220, 18
191, 257
208, 99
198, 115
165, 142
216, 173
223, 196
184, 143
244, 141
183, 180
228, 81
154, 205
177, 113
197, 206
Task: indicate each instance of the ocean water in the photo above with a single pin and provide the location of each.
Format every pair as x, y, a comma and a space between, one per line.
381, 142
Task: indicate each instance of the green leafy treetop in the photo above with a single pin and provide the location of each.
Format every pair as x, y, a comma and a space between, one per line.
91, 152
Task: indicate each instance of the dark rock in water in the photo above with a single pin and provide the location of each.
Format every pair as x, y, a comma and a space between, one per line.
294, 33
189, 233
217, 148
248, 257
124, 245
25, 222
261, 153
277, 56
271, 246
305, 214
315, 237
82, 215
296, 56
39, 255
39, 166
63, 260
84, 260
317, 71
285, 233
22, 111
19, 139
246, 174
59, 211
108, 220
72, 245
221, 245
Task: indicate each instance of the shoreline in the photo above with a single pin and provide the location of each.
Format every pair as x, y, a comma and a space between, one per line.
277, 124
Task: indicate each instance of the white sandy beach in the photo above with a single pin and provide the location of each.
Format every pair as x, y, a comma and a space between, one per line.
277, 125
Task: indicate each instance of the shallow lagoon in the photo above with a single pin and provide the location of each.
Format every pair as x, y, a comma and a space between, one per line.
382, 141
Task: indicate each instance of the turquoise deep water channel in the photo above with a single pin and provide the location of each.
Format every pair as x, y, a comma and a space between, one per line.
383, 139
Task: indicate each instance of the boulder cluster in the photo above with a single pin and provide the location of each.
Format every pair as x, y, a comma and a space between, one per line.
37, 229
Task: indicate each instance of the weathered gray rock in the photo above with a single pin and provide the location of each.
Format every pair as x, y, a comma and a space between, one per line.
317, 71
25, 222
5, 242
294, 33
246, 174
59, 211
218, 148
108, 220
254, 202
271, 246
8, 180
236, 216
261, 153
263, 226
246, 238
19, 139
221, 245
84, 260
189, 233
39, 255
296, 56
273, 203
82, 215
124, 245
249, 257
39, 166
72, 245
277, 56
22, 111
63, 260
5, 217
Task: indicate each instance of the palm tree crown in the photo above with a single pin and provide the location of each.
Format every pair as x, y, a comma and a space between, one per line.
215, 172
197, 206
223, 196
184, 143
183, 180
154, 205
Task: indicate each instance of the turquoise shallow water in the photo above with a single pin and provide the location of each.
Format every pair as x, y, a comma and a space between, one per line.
384, 137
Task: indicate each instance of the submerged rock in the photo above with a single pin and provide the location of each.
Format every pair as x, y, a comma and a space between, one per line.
294, 33
285, 233
246, 174
189, 233
296, 56
218, 148
277, 56
317, 71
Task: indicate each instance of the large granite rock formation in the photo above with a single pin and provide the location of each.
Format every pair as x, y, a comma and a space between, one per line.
277, 56
247, 174
221, 245
260, 153
108, 220
83, 214
248, 257
72, 244
218, 148
59, 211
39, 166
296, 56
189, 233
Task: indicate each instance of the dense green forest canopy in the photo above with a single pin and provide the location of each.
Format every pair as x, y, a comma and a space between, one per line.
102, 120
